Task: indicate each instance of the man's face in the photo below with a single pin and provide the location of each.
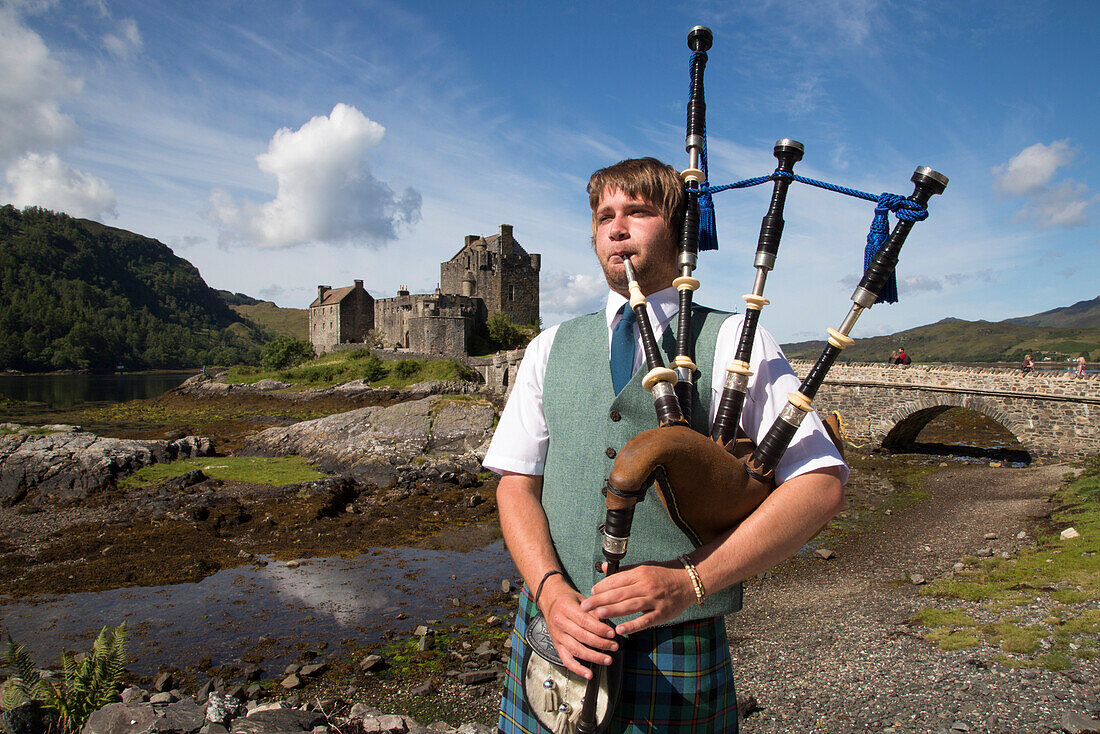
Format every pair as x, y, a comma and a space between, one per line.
633, 228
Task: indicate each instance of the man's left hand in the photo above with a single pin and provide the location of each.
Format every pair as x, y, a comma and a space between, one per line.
660, 592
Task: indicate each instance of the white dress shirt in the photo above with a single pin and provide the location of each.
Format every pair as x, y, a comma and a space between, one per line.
520, 440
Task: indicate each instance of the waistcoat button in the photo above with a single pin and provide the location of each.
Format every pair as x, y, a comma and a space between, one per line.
610, 452
615, 416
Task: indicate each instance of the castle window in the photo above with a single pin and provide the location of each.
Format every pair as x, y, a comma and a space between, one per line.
511, 293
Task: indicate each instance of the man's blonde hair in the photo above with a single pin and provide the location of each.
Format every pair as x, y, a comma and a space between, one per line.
646, 179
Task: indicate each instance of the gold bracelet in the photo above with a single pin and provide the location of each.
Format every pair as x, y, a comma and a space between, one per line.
696, 582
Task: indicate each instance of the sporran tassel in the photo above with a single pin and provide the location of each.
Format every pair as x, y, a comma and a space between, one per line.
563, 724
550, 699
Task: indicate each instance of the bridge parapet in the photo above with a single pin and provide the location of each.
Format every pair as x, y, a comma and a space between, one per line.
978, 380
1053, 415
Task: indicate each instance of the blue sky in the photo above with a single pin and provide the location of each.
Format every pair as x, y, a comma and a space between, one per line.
280, 145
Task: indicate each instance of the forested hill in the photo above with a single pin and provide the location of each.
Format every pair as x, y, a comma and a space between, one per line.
80, 295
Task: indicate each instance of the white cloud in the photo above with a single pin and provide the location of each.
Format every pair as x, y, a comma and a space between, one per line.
32, 84
1030, 173
326, 192
125, 42
1064, 205
285, 294
49, 182
982, 276
564, 296
918, 283
1032, 168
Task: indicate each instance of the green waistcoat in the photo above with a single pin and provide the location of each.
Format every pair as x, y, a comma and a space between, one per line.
580, 403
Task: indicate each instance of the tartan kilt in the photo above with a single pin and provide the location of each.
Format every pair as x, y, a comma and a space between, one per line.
676, 679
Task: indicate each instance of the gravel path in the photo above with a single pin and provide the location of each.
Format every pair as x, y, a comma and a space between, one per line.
826, 646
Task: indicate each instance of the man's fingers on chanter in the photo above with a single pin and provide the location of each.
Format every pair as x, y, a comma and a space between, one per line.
572, 663
580, 654
638, 623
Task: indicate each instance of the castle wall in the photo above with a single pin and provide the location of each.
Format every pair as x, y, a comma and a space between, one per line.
324, 331
356, 316
519, 291
440, 335
410, 321
498, 372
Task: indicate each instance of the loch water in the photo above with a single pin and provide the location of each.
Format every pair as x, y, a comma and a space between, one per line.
271, 609
68, 390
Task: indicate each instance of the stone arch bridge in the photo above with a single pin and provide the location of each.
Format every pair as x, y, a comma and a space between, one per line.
1052, 415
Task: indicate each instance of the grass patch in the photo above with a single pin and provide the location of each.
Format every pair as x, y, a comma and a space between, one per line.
1014, 638
1088, 623
1065, 569
252, 469
1055, 570
949, 639
166, 410
360, 364
1054, 661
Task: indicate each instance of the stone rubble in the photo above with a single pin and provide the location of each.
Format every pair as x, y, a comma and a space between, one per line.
143, 712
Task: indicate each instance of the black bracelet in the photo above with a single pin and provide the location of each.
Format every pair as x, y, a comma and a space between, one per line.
548, 574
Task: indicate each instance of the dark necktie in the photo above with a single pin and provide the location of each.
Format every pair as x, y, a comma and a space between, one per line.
622, 350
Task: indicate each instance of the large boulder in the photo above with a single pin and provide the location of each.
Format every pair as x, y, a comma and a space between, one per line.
369, 442
121, 718
67, 463
277, 720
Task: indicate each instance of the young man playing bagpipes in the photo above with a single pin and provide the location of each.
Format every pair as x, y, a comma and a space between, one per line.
564, 424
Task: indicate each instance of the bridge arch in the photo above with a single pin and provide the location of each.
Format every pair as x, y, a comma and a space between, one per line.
900, 426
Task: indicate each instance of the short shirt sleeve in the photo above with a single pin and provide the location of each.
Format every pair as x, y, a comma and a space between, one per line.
521, 437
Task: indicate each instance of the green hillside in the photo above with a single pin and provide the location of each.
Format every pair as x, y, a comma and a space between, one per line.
276, 319
81, 295
955, 340
1083, 314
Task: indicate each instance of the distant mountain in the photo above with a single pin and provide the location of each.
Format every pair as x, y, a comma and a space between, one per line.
1082, 315
1057, 334
81, 295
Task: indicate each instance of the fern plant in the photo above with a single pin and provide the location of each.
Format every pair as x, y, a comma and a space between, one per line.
86, 685
24, 683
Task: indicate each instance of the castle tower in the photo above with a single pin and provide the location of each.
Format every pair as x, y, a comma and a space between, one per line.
498, 270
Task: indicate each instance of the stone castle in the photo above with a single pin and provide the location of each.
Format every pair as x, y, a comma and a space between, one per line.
488, 275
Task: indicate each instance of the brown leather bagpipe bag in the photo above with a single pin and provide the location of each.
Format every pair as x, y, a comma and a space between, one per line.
705, 488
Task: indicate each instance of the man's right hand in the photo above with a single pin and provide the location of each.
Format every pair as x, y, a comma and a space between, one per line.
578, 635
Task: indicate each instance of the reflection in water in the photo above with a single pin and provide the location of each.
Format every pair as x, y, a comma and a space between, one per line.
68, 390
223, 616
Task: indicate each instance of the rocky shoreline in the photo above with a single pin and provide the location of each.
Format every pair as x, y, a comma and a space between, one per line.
65, 463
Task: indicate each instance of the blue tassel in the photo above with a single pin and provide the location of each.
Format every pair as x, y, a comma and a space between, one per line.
876, 238
708, 234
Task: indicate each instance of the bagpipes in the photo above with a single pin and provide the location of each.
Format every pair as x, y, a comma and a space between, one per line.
709, 484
